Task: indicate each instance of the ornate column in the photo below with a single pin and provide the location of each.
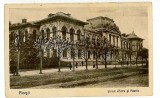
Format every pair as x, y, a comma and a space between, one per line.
111, 39
119, 42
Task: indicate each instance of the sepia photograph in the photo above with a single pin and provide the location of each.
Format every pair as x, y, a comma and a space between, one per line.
99, 46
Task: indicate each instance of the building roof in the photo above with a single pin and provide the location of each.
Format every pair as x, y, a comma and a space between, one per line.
100, 17
50, 17
133, 36
19, 25
61, 15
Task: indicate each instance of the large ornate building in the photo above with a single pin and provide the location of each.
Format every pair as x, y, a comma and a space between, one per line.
68, 27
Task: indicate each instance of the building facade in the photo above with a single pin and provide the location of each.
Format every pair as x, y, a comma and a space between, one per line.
77, 31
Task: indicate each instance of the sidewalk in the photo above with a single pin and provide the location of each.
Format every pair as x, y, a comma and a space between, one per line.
53, 70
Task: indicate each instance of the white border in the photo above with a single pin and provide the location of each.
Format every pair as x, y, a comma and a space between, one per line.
156, 38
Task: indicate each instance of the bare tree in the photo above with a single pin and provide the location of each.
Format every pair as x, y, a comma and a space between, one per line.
18, 42
105, 47
59, 45
41, 43
97, 47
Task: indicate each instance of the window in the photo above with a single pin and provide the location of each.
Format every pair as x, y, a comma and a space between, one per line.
110, 38
48, 34
34, 34
78, 35
42, 34
54, 32
79, 53
72, 34
89, 54
114, 40
64, 31
65, 53
72, 53
117, 41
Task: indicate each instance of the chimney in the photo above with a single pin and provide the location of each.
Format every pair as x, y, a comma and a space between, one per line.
24, 20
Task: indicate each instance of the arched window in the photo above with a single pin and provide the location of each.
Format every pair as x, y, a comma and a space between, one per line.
48, 33
117, 42
54, 29
34, 34
42, 34
78, 35
64, 31
110, 38
114, 40
72, 34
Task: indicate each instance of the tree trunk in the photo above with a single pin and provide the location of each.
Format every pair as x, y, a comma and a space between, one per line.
17, 69
96, 60
59, 64
41, 62
73, 63
105, 63
86, 65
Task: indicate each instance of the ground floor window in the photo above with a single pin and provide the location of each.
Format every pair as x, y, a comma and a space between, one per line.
79, 53
65, 53
89, 54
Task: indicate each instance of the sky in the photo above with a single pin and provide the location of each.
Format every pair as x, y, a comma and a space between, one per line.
127, 18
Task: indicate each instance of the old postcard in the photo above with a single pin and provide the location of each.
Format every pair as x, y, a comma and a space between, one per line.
89, 49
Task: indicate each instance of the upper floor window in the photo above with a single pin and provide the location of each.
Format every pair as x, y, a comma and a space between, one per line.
78, 35
48, 33
72, 34
34, 34
64, 31
54, 29
42, 34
